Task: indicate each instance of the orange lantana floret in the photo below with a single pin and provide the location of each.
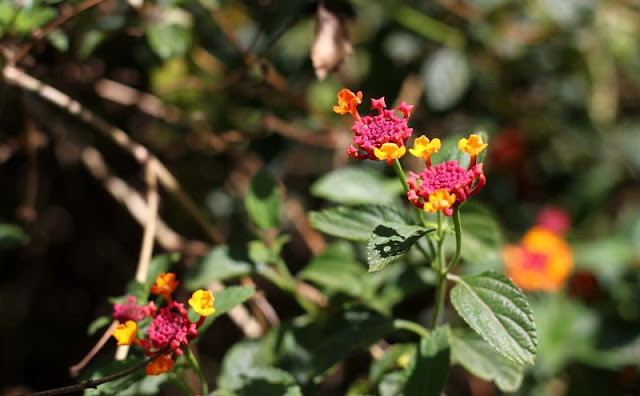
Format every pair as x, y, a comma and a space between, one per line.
389, 152
348, 102
202, 302
541, 262
441, 200
166, 283
125, 333
472, 146
160, 365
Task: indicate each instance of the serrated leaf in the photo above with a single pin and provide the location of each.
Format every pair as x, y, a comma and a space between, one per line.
482, 360
446, 76
267, 381
390, 242
225, 300
497, 310
11, 236
240, 358
336, 269
355, 222
428, 371
356, 185
263, 200
217, 265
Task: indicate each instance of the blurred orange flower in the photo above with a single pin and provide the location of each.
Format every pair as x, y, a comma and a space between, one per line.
165, 283
160, 365
541, 262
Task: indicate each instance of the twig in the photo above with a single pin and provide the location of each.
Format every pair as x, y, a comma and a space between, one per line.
271, 122
18, 77
27, 210
145, 102
135, 204
95, 383
263, 305
76, 368
153, 201
150, 228
312, 238
39, 34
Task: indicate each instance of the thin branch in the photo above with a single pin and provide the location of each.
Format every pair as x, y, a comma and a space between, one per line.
135, 204
27, 210
153, 200
296, 132
18, 77
92, 384
76, 368
39, 34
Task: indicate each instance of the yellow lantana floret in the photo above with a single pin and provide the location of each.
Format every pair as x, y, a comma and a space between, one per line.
389, 152
472, 146
125, 333
423, 148
166, 283
202, 302
439, 200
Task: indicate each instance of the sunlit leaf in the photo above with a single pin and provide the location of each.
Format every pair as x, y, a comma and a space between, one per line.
390, 242
497, 310
355, 223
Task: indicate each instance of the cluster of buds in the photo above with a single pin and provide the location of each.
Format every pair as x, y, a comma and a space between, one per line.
378, 137
441, 187
383, 137
170, 327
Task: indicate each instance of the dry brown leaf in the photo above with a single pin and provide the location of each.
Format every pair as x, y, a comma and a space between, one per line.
331, 43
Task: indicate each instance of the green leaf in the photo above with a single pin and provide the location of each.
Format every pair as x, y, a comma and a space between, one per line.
225, 300
562, 341
356, 185
268, 381
263, 200
482, 360
97, 324
32, 17
446, 76
390, 360
11, 236
390, 242
356, 222
169, 41
392, 384
497, 310
59, 40
241, 357
428, 370
217, 265
336, 269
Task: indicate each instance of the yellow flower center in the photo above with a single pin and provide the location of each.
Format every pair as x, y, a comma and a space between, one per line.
439, 200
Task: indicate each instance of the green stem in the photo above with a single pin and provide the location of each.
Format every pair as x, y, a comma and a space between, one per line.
430, 27
441, 287
413, 327
290, 286
191, 358
403, 180
458, 230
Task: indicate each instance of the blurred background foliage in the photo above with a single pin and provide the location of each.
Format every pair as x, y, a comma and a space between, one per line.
219, 89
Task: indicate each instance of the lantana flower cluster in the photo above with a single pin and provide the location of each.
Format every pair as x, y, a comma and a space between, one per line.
383, 137
170, 326
543, 259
